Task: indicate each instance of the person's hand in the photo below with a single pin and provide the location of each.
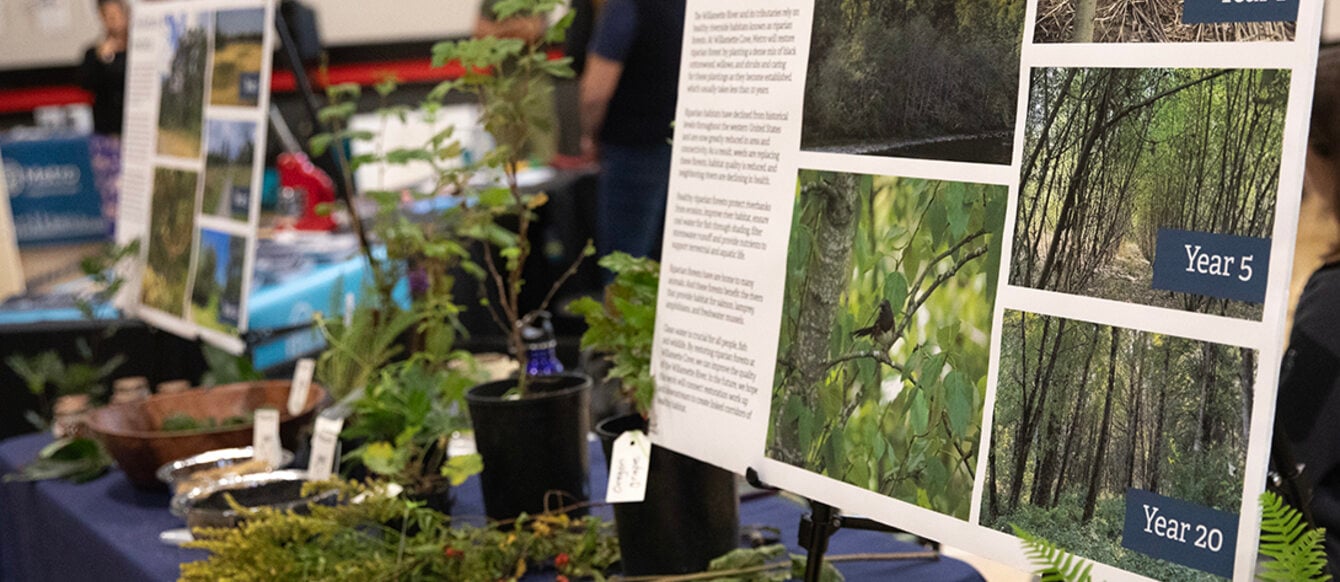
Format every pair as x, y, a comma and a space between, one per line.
590, 149
108, 48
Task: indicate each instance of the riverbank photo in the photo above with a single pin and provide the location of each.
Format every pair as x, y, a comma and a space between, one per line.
928, 80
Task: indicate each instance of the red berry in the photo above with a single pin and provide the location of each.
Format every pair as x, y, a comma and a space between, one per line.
561, 561
451, 552
560, 578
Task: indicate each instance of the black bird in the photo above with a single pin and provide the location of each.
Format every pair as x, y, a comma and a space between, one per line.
882, 329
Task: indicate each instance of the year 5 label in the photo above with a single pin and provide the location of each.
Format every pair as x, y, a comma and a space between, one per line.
1216, 265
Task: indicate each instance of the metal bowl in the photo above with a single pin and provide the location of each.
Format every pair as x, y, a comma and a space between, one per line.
182, 470
207, 506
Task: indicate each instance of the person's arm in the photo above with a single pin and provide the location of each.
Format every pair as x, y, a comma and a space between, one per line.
598, 83
526, 28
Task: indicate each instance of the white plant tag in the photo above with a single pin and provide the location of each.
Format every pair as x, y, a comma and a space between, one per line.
629, 463
302, 381
349, 306
324, 439
265, 436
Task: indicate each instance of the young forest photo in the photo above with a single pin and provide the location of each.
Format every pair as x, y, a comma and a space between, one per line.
929, 79
1085, 411
885, 338
1113, 155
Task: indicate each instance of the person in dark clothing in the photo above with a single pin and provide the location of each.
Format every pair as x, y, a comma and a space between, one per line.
1307, 433
628, 94
103, 72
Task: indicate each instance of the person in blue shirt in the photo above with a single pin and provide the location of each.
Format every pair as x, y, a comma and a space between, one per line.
628, 93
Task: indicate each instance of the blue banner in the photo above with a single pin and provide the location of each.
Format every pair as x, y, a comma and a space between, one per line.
1215, 265
1180, 532
1208, 11
51, 191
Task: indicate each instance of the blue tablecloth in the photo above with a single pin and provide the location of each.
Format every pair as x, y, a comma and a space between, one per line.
108, 530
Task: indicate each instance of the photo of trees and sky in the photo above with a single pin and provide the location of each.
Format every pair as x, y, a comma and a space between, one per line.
182, 98
929, 79
1086, 411
1152, 21
229, 155
886, 326
1113, 155
238, 53
171, 230
216, 297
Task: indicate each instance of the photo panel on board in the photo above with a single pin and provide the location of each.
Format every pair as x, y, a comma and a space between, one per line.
885, 334
1117, 21
1151, 186
216, 296
1124, 447
929, 80
238, 57
230, 153
170, 237
182, 79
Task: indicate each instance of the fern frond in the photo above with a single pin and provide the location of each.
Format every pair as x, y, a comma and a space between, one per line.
1054, 564
1297, 552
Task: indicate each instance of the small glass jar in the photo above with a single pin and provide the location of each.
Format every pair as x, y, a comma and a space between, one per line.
173, 386
68, 414
130, 389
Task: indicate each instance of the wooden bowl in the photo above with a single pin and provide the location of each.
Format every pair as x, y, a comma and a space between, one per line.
131, 432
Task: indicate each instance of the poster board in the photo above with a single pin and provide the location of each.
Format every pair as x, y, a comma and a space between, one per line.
197, 97
931, 262
11, 269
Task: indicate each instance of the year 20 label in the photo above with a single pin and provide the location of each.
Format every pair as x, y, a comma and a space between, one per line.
1216, 265
1181, 532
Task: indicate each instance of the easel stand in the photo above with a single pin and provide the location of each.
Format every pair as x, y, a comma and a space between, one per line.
821, 523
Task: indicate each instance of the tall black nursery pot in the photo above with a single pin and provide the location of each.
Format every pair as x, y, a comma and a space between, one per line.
532, 445
691, 513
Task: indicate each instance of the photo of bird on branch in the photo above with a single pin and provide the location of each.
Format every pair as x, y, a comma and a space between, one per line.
882, 363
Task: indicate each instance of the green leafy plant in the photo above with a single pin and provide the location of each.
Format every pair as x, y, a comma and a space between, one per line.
225, 368
47, 369
381, 537
406, 418
78, 459
101, 269
622, 326
1297, 552
1054, 564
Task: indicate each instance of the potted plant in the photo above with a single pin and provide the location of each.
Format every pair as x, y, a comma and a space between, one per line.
683, 494
531, 430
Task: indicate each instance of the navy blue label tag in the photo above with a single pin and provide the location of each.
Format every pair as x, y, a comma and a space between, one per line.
1180, 532
249, 86
1216, 265
1206, 11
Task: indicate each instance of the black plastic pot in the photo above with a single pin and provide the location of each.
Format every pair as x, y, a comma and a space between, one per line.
691, 513
532, 445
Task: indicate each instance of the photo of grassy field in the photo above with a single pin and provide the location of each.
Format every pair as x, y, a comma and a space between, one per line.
182, 98
238, 53
216, 297
171, 229
229, 154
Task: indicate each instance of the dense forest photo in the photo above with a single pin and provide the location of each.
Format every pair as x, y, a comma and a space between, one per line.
1113, 155
182, 97
216, 296
1085, 411
171, 230
1151, 21
929, 79
885, 337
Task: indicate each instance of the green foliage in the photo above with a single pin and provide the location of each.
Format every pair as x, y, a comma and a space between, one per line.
900, 413
225, 368
386, 538
76, 459
1053, 563
47, 374
1297, 551
406, 418
766, 564
102, 271
623, 325
356, 351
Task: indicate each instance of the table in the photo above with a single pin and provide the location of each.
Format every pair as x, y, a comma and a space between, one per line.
108, 530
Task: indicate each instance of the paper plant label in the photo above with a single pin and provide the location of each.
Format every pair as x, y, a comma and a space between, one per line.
1175, 530
629, 464
302, 381
324, 440
265, 436
1214, 265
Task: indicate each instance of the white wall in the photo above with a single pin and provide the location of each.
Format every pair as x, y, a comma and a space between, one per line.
346, 22
46, 33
